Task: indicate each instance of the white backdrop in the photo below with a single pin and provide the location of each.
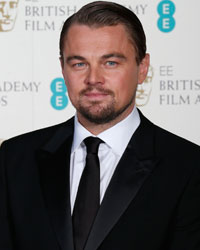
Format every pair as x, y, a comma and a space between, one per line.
32, 91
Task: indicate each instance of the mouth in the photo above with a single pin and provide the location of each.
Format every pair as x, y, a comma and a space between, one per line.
96, 95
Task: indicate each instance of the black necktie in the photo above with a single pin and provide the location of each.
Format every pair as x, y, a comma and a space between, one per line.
88, 195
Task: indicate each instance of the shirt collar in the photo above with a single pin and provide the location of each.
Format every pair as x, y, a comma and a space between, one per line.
114, 137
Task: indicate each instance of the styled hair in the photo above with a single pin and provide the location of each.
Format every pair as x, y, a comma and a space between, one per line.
102, 13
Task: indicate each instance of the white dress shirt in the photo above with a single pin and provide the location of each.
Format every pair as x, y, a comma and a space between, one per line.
116, 140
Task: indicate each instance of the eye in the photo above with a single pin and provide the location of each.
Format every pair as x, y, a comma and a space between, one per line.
79, 65
111, 63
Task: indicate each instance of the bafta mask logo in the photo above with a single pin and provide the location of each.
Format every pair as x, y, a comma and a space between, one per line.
8, 14
144, 90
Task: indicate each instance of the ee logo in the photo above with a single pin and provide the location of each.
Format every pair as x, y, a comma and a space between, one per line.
166, 21
59, 100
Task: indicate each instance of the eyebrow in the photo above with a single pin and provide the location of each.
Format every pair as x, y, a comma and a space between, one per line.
107, 56
118, 55
70, 58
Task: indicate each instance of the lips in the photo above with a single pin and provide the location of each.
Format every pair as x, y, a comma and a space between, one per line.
95, 94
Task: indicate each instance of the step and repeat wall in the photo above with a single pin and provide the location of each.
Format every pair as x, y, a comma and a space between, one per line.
33, 93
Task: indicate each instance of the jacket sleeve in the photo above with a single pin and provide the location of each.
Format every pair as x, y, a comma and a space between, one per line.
5, 235
186, 234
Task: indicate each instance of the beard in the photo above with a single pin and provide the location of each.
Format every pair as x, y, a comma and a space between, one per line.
98, 112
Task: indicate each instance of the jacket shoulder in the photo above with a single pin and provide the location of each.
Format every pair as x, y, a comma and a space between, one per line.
36, 138
176, 147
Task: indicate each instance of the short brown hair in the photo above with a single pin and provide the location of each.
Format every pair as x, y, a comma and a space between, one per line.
102, 13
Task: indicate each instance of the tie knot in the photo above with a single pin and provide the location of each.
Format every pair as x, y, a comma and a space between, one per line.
92, 144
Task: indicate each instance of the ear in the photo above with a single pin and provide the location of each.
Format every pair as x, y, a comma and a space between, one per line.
62, 67
143, 69
61, 62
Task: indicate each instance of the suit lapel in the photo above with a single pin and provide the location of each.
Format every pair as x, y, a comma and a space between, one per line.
54, 162
135, 166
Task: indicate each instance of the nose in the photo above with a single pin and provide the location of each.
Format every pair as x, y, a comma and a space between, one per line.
94, 76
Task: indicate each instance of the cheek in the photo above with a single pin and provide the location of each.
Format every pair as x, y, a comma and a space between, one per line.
73, 95
72, 91
73, 87
126, 85
71, 78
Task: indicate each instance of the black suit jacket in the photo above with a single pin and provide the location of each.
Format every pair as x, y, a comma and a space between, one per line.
151, 203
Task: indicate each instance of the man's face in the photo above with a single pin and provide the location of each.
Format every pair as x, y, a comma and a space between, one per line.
8, 12
101, 72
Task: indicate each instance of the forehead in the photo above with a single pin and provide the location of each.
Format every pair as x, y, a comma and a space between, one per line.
83, 35
82, 28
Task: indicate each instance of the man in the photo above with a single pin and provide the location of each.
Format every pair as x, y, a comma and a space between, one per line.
8, 13
149, 180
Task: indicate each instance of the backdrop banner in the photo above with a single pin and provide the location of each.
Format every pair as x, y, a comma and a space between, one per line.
33, 94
